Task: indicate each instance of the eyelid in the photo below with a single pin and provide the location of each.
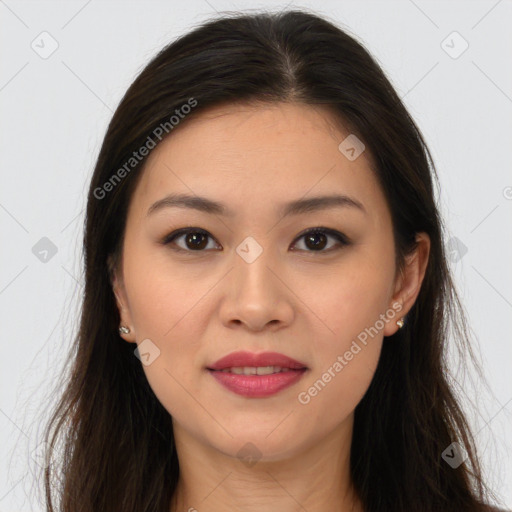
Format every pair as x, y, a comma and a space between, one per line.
169, 239
338, 235
342, 239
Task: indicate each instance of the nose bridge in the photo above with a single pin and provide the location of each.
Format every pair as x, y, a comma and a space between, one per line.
253, 264
256, 297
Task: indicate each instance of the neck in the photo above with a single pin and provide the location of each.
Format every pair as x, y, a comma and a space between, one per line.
315, 479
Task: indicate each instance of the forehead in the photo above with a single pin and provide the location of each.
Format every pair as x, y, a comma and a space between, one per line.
247, 155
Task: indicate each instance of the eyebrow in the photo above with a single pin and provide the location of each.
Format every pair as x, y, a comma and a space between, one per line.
296, 207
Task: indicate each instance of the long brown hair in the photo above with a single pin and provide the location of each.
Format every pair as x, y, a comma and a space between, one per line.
118, 451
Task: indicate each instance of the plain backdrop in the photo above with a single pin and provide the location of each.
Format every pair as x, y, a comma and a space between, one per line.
64, 67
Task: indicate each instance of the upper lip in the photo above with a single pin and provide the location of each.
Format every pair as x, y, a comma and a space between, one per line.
241, 359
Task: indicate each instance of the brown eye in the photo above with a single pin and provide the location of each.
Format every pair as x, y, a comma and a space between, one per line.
192, 239
316, 240
195, 241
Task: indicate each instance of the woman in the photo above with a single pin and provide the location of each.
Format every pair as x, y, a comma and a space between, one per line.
267, 298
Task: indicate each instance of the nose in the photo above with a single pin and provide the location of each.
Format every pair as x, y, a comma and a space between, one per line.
256, 295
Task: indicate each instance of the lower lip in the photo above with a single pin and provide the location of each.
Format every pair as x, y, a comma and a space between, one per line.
257, 386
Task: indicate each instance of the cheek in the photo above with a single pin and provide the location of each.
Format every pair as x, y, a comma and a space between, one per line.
351, 299
160, 295
345, 356
353, 306
159, 308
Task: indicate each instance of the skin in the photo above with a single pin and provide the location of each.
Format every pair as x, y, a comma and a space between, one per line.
199, 306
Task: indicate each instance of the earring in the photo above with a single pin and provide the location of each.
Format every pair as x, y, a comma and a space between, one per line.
400, 323
124, 330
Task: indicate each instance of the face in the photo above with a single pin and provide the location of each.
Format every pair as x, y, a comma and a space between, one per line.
251, 278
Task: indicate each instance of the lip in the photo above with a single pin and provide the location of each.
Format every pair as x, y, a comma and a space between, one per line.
257, 386
244, 358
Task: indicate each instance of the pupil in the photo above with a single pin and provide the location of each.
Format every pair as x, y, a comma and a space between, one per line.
193, 238
313, 237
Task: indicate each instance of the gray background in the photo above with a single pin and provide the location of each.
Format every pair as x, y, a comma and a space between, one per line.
55, 110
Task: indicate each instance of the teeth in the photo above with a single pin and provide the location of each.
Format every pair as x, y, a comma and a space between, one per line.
267, 370
252, 370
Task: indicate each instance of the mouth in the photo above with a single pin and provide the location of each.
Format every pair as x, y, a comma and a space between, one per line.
257, 370
250, 363
256, 375
257, 382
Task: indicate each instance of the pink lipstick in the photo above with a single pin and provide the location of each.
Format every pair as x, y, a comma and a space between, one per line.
257, 375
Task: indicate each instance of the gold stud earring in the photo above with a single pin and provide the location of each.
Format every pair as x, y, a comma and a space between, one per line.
400, 323
124, 330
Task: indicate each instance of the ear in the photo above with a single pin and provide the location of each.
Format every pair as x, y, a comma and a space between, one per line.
117, 283
409, 280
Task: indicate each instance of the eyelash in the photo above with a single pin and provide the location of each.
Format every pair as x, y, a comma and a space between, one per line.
340, 237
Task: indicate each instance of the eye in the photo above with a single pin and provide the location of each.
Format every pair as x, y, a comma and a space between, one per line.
315, 240
193, 237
